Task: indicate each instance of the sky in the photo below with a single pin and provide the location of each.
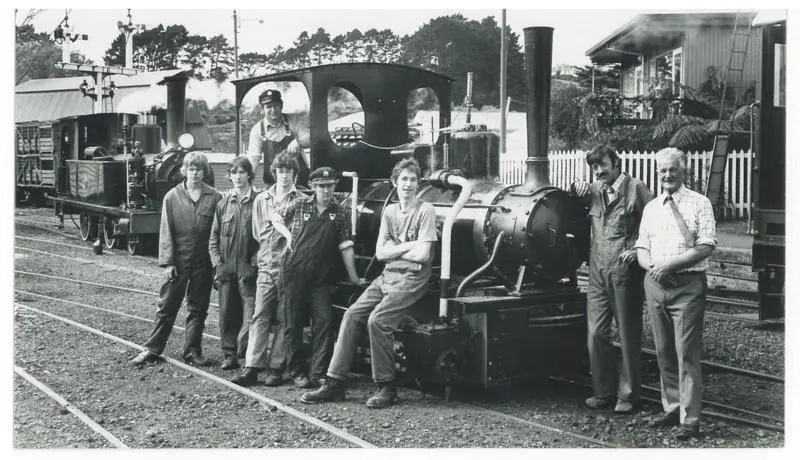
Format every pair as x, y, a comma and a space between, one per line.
575, 31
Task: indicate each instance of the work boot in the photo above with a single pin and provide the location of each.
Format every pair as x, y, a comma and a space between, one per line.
598, 403
145, 357
229, 363
274, 379
196, 359
247, 378
665, 419
625, 407
687, 430
331, 390
385, 397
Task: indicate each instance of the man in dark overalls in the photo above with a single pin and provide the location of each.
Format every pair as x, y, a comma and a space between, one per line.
616, 289
273, 135
318, 230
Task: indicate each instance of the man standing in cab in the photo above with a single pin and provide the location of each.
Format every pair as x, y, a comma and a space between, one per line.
676, 238
318, 231
616, 202
273, 135
405, 241
233, 250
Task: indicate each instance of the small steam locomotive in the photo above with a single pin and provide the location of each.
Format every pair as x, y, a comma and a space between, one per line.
503, 303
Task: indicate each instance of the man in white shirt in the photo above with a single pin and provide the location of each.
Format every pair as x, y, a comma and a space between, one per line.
676, 237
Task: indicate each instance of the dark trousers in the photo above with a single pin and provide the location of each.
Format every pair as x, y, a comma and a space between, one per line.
194, 283
237, 298
297, 296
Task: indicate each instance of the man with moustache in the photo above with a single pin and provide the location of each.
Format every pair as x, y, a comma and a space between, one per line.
317, 230
405, 241
273, 135
232, 249
615, 280
268, 310
676, 237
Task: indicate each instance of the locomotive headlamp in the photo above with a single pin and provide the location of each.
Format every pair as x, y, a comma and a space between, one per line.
186, 141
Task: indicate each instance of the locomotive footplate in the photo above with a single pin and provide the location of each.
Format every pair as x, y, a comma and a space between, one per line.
130, 222
516, 337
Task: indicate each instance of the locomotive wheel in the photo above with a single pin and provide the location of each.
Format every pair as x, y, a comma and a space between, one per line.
88, 227
135, 245
109, 238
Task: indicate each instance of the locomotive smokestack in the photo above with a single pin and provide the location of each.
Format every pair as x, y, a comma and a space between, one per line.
538, 65
176, 106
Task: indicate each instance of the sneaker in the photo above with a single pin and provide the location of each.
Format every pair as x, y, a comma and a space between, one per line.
196, 359
274, 379
625, 407
247, 378
331, 390
687, 430
665, 419
145, 357
229, 363
598, 403
385, 397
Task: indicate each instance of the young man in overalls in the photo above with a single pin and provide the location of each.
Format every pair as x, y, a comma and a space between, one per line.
318, 231
186, 218
405, 241
273, 135
616, 291
233, 250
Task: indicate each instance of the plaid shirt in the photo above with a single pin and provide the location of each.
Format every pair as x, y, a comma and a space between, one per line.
296, 215
659, 232
272, 243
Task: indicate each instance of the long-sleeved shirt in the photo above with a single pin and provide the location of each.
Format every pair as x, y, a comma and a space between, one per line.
231, 246
272, 243
660, 233
186, 226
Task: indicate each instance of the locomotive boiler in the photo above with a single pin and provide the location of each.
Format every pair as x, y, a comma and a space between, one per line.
113, 172
503, 303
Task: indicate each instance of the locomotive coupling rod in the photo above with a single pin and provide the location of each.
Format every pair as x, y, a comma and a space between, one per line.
447, 234
353, 200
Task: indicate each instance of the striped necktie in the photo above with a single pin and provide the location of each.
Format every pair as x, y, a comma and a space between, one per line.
681, 223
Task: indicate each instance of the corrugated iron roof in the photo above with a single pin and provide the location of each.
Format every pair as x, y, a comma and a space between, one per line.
53, 98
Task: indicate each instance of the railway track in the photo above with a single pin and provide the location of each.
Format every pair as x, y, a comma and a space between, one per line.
263, 399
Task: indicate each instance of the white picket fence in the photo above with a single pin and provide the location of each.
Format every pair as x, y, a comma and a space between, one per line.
568, 166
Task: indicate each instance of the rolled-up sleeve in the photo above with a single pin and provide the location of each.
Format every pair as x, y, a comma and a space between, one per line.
254, 145
706, 225
166, 254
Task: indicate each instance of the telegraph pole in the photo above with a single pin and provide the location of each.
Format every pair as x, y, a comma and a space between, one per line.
235, 45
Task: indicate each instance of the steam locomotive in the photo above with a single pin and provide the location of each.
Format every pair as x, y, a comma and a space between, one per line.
503, 303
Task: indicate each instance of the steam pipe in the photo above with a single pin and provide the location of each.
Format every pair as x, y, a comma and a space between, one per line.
353, 200
483, 267
538, 65
444, 179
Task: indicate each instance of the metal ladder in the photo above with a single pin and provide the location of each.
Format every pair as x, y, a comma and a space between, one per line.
733, 75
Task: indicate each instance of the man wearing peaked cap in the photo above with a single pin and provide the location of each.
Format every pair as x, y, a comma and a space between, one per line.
323, 175
273, 135
318, 231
